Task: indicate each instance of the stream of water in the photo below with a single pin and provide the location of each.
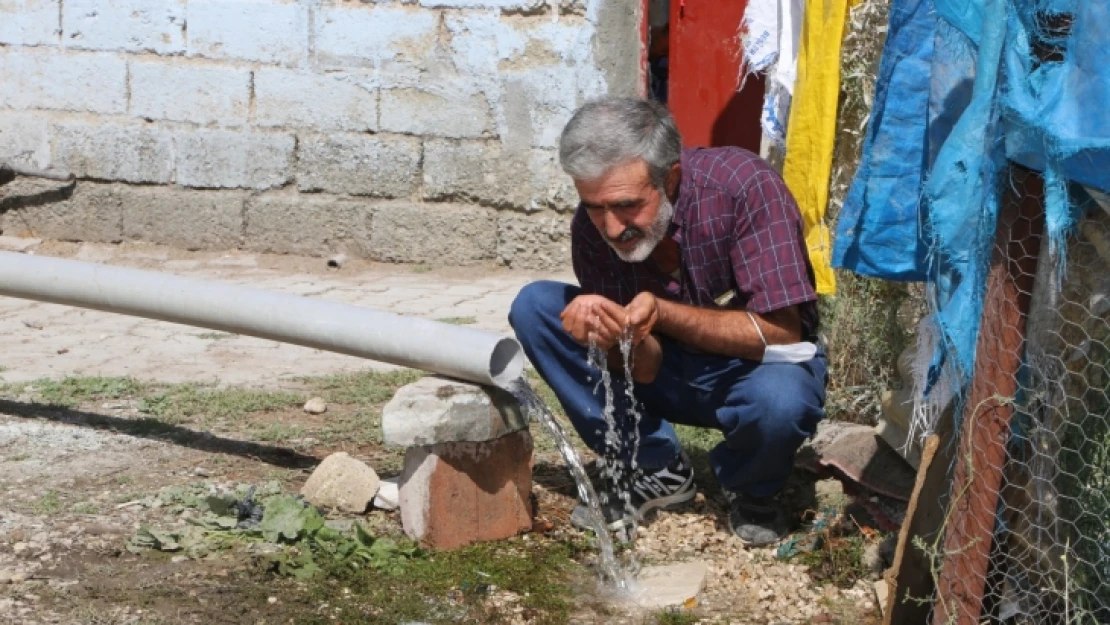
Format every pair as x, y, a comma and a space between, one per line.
611, 569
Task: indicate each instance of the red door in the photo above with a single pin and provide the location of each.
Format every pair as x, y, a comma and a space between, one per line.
705, 72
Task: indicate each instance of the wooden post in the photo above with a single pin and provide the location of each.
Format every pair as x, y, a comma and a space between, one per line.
985, 428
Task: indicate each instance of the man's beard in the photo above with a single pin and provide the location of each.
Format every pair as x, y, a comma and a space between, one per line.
656, 232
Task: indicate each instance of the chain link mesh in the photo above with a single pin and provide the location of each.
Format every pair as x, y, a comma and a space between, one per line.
1026, 533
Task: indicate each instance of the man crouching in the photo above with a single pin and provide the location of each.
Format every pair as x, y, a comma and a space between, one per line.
699, 255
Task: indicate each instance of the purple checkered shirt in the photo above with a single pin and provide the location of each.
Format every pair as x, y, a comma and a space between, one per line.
738, 228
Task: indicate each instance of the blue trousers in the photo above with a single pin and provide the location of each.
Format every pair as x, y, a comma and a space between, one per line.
764, 411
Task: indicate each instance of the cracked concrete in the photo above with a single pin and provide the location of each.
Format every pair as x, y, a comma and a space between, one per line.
47, 340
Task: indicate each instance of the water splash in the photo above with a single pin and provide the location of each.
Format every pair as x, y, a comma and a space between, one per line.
610, 568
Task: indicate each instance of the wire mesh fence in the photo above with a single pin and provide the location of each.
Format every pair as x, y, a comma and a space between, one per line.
1025, 537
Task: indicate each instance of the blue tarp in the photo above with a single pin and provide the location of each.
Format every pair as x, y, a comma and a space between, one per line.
962, 89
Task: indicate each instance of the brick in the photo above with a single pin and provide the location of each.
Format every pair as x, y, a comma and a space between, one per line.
455, 494
440, 410
192, 220
24, 139
441, 234
125, 25
114, 151
230, 159
29, 22
358, 164
185, 92
372, 35
534, 242
417, 112
322, 101
267, 32
485, 172
90, 83
307, 225
90, 213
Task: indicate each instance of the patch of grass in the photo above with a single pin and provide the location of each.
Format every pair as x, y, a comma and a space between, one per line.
363, 388
47, 505
421, 268
86, 507
278, 433
675, 617
73, 391
215, 336
698, 442
174, 403
18, 458
452, 585
458, 321
837, 560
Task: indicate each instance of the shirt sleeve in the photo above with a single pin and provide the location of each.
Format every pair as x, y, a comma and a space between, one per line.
769, 256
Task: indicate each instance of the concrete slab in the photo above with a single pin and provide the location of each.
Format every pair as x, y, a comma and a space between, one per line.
670, 584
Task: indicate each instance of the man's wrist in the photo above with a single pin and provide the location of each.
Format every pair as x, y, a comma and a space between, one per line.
663, 312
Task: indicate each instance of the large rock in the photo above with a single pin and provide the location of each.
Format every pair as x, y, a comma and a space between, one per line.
437, 410
454, 494
342, 483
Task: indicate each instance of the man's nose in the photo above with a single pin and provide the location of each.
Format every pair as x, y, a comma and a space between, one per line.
614, 227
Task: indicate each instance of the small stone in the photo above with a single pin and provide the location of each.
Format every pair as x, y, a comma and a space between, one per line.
343, 483
316, 405
18, 577
436, 410
19, 548
271, 600
200, 472
6, 577
872, 558
671, 585
389, 495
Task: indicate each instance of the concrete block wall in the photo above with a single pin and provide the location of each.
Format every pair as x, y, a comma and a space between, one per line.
420, 131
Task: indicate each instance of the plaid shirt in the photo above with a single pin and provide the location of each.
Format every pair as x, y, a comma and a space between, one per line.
738, 228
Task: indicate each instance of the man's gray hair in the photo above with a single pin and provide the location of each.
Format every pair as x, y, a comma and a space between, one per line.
612, 131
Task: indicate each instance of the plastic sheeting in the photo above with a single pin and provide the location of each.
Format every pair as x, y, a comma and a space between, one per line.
924, 202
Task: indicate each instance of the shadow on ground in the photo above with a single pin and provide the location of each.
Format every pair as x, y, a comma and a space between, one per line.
154, 429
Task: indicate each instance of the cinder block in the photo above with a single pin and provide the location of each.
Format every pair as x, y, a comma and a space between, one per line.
187, 92
125, 25
114, 151
371, 35
308, 225
441, 234
49, 79
417, 112
534, 242
267, 32
486, 172
455, 494
29, 22
229, 159
323, 101
482, 40
192, 220
504, 5
546, 96
92, 213
358, 164
24, 139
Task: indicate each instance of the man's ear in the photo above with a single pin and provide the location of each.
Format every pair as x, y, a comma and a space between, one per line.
674, 176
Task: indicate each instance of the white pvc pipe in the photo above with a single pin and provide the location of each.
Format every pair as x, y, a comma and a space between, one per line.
458, 352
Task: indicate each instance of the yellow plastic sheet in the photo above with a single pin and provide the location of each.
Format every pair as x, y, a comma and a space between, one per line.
811, 132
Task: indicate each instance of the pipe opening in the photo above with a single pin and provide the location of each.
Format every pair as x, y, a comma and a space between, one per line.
506, 363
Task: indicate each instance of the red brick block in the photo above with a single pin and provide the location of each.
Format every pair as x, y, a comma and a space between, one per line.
454, 494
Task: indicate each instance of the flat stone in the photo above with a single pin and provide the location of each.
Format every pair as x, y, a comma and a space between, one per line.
670, 584
438, 410
882, 592
455, 494
18, 244
316, 405
343, 483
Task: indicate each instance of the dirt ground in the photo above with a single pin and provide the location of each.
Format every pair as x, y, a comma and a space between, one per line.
86, 464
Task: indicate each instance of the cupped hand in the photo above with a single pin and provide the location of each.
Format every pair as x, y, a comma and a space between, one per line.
594, 318
643, 314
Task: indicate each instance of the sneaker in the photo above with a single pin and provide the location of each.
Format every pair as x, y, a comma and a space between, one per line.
757, 521
655, 490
